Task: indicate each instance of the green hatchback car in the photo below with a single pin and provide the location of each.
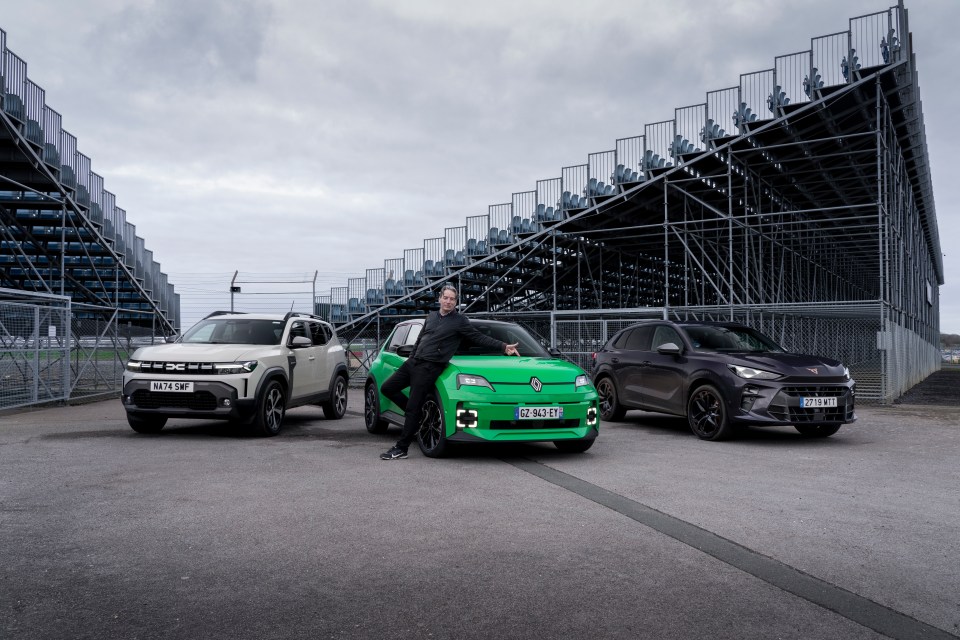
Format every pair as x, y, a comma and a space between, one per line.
484, 396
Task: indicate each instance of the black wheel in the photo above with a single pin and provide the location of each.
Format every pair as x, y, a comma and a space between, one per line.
432, 436
817, 430
148, 424
270, 410
573, 446
610, 407
336, 406
371, 410
707, 414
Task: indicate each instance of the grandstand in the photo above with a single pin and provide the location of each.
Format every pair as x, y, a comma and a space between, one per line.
798, 201
78, 287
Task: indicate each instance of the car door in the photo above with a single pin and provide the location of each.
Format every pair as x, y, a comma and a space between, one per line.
323, 369
664, 374
633, 355
305, 371
404, 334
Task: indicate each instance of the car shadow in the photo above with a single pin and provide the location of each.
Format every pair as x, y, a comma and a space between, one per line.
668, 425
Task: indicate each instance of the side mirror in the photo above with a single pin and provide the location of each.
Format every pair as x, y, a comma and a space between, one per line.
670, 349
173, 338
297, 342
553, 351
405, 350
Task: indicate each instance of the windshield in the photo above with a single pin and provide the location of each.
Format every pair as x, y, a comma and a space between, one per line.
234, 331
738, 339
527, 345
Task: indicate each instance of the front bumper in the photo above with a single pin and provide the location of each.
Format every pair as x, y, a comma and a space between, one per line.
210, 399
472, 421
776, 405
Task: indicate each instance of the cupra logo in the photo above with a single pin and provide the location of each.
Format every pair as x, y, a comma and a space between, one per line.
536, 384
813, 370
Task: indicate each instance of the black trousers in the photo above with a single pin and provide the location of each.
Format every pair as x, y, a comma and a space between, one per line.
419, 376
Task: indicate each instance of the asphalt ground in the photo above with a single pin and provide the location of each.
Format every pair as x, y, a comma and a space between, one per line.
205, 532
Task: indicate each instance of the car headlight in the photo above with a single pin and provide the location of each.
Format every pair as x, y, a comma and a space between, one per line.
235, 367
581, 381
754, 374
470, 380
134, 365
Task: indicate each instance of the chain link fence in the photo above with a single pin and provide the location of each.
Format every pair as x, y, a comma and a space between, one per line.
52, 350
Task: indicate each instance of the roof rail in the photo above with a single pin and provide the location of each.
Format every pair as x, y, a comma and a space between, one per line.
222, 313
300, 314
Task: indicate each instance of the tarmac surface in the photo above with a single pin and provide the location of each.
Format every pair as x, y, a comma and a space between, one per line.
205, 532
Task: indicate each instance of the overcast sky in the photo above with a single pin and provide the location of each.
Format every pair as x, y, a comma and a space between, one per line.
280, 136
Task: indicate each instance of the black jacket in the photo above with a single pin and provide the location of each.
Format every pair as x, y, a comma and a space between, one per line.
441, 335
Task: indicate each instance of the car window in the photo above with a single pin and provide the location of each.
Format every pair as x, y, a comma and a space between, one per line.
399, 335
719, 338
664, 334
234, 331
527, 345
415, 330
298, 328
639, 340
320, 332
620, 342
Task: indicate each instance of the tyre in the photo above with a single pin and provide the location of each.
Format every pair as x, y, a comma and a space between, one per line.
817, 430
432, 435
610, 407
371, 410
336, 406
148, 424
707, 414
270, 410
573, 446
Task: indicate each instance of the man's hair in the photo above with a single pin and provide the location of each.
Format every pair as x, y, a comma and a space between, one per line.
456, 294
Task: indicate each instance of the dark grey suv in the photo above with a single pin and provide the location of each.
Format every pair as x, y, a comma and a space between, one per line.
720, 375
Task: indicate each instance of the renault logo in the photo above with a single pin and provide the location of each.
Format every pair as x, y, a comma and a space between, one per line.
536, 384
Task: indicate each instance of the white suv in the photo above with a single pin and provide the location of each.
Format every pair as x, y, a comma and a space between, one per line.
238, 366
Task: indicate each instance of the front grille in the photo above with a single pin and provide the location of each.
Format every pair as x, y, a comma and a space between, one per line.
814, 391
785, 405
178, 368
196, 401
534, 424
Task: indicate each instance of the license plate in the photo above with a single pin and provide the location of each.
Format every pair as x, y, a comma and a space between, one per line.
171, 386
538, 413
817, 403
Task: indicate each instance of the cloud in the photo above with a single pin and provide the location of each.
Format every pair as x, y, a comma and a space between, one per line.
282, 135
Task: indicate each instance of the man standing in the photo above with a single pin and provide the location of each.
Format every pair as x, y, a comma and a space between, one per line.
436, 344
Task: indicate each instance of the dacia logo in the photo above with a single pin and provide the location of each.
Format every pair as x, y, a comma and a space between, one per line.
536, 384
176, 366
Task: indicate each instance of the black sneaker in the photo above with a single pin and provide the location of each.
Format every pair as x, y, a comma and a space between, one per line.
396, 453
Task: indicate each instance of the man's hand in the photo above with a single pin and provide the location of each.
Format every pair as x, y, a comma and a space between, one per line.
511, 349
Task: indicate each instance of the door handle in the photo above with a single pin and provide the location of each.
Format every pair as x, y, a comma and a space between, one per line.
312, 358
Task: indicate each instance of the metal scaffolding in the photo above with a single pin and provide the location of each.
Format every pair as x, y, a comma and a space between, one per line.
798, 202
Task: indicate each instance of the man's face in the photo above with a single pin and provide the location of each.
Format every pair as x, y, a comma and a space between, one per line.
448, 300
